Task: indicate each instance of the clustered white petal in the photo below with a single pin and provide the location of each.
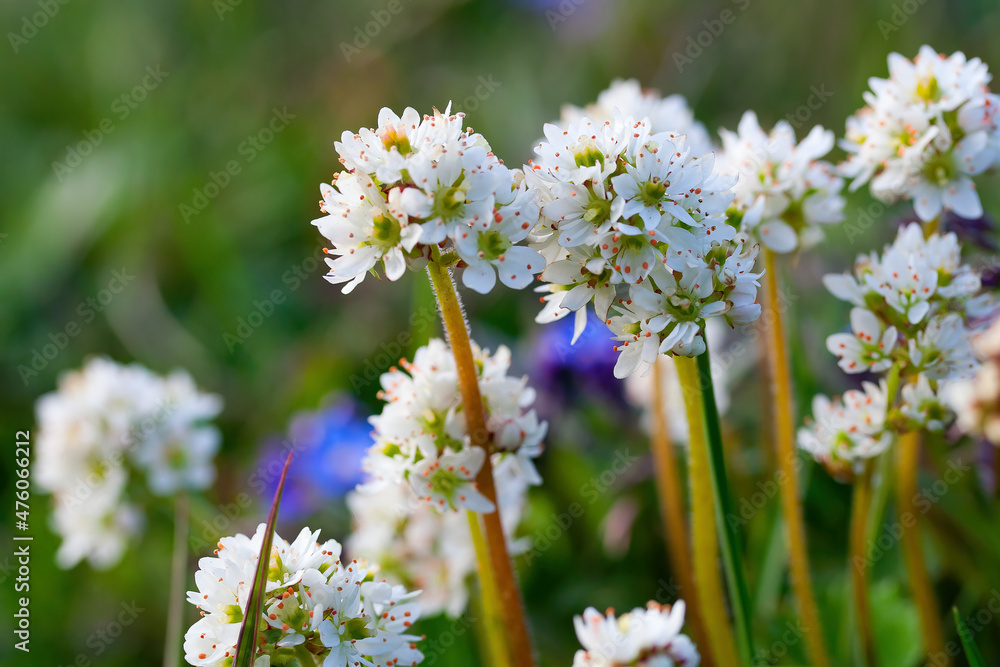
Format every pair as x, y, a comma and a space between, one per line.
107, 427
649, 637
784, 191
916, 307
976, 400
421, 437
635, 223
925, 132
420, 547
313, 602
415, 188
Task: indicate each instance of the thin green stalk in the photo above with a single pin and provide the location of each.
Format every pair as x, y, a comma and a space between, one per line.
791, 506
178, 571
492, 626
704, 534
498, 564
729, 537
860, 504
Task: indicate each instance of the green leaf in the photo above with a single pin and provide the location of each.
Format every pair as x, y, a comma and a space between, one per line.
247, 643
972, 653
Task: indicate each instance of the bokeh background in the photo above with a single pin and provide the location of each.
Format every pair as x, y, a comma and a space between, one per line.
119, 121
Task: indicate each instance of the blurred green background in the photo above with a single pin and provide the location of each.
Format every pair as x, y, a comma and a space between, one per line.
116, 118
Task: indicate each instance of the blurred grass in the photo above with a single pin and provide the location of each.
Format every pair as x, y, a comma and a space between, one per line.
196, 279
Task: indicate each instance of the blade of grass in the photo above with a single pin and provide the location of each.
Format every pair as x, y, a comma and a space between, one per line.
972, 653
247, 643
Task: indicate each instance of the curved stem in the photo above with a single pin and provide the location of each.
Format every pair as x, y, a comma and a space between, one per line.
493, 622
784, 431
907, 466
178, 571
705, 537
860, 503
498, 565
671, 499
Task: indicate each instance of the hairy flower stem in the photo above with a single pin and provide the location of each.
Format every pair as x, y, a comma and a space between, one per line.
784, 434
671, 497
492, 627
497, 565
907, 466
860, 504
705, 539
178, 572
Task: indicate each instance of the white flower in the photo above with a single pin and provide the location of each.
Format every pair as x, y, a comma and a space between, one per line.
421, 435
648, 637
335, 609
668, 114
784, 191
925, 132
417, 188
943, 349
867, 348
976, 400
923, 405
844, 434
110, 434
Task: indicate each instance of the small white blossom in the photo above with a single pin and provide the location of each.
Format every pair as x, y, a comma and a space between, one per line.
649, 637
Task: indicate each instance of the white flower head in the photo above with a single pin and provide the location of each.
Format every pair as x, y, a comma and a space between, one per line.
110, 434
416, 188
649, 637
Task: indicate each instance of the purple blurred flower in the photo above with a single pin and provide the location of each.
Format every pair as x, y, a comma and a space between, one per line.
566, 374
329, 444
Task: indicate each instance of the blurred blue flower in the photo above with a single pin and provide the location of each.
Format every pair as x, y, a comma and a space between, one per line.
329, 444
566, 374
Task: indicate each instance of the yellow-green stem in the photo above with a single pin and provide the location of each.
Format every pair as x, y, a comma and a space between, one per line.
498, 565
492, 625
907, 466
784, 432
178, 571
860, 504
705, 567
671, 498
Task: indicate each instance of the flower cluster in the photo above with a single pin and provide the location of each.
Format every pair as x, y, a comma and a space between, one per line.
421, 435
416, 188
784, 192
648, 637
624, 208
915, 310
420, 547
110, 433
925, 132
313, 603
977, 400
664, 114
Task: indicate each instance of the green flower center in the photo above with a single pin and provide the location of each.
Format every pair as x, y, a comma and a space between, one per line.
448, 202
357, 628
493, 244
939, 169
387, 232
652, 191
589, 156
597, 211
391, 137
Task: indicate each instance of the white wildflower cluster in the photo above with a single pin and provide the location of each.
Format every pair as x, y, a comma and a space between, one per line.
784, 191
421, 437
109, 436
915, 309
628, 210
315, 607
977, 400
422, 548
416, 188
648, 637
925, 132
664, 114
